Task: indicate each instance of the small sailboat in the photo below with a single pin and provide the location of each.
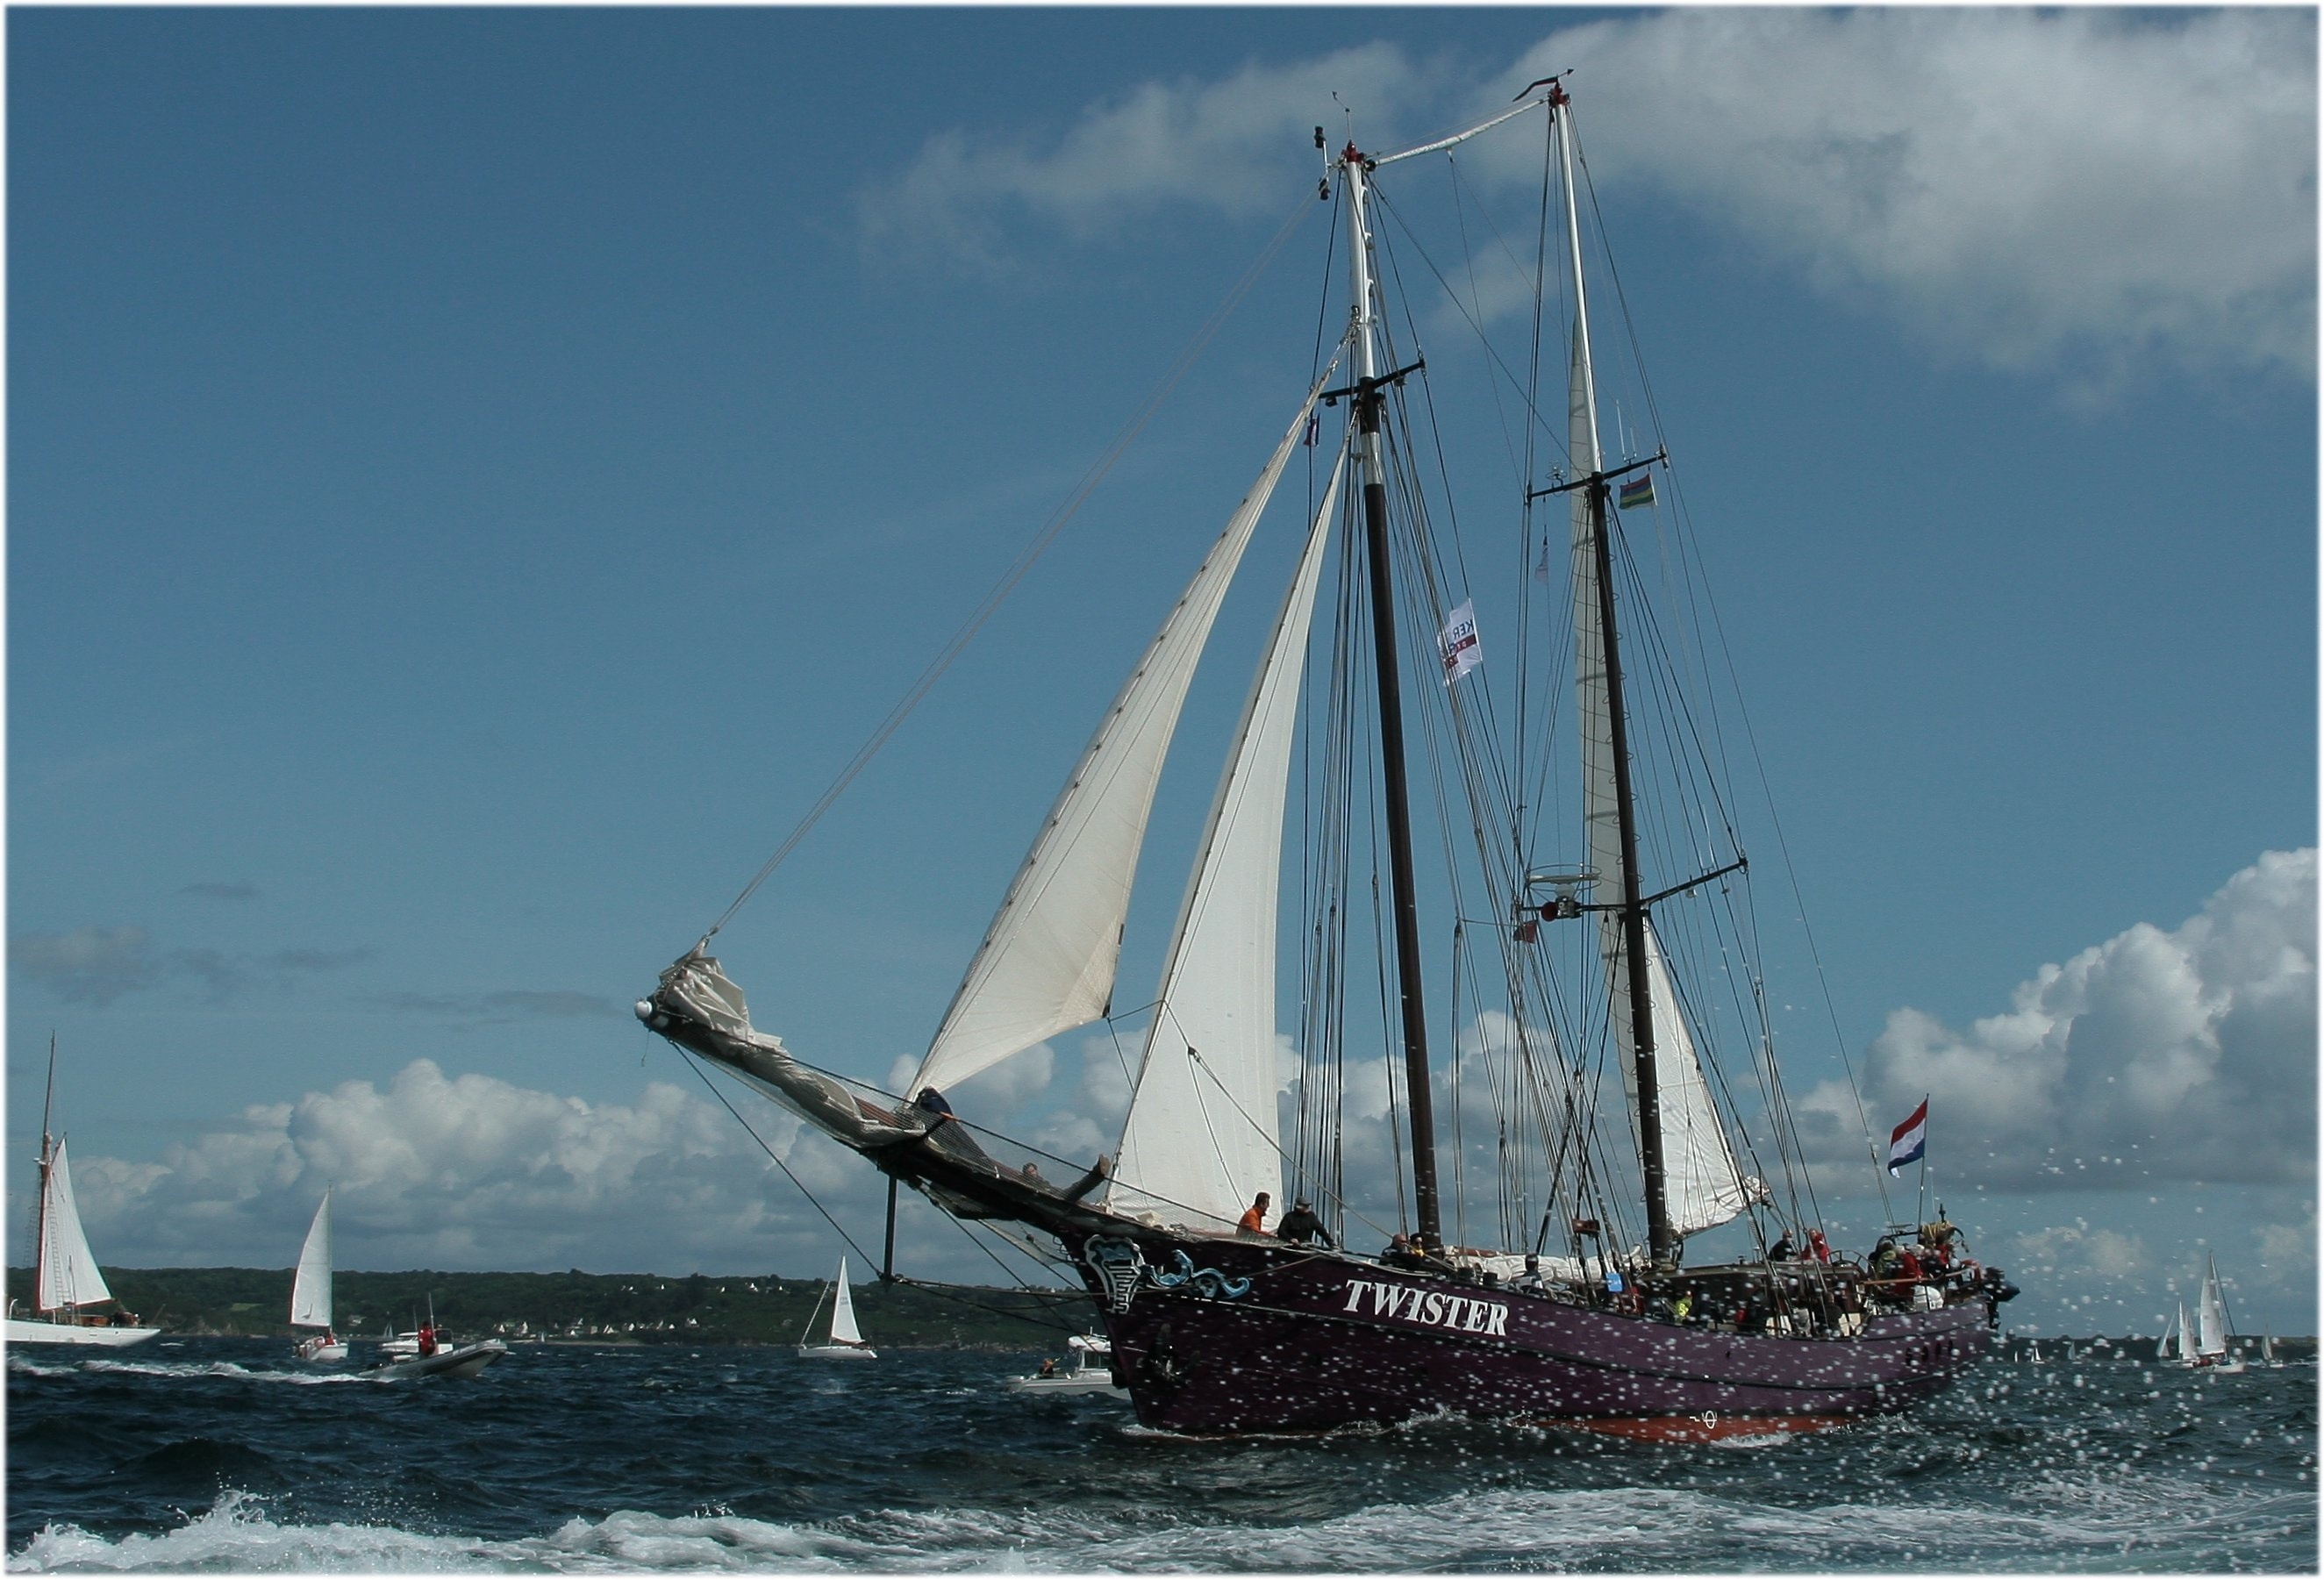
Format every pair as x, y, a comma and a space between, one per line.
68, 1286
1089, 1369
846, 1340
2267, 1356
2033, 1353
2172, 1346
311, 1290
2211, 1326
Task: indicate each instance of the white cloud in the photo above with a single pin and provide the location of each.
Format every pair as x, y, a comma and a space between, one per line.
1227, 146
469, 1171
2016, 183
2018, 187
2186, 1054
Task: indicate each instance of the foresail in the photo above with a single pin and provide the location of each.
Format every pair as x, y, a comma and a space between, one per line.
844, 1330
310, 1289
1047, 961
1200, 1140
68, 1275
1704, 1188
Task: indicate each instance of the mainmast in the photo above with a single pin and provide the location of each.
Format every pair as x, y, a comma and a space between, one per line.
41, 1196
1370, 399
1662, 1244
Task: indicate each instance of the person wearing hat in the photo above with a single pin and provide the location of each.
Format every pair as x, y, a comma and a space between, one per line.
1301, 1227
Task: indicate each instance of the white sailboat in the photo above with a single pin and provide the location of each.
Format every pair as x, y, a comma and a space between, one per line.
846, 1340
67, 1284
2211, 1327
2172, 1345
2267, 1356
311, 1290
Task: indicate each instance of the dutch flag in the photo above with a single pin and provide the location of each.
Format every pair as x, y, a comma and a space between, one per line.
1909, 1140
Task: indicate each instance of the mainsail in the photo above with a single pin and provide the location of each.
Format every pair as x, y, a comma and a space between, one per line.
1200, 1140
1047, 961
311, 1286
2211, 1316
1704, 1187
844, 1330
68, 1275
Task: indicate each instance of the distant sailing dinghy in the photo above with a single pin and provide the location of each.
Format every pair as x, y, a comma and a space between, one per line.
68, 1283
311, 1290
847, 1341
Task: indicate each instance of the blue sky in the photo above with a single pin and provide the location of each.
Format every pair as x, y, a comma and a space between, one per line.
476, 476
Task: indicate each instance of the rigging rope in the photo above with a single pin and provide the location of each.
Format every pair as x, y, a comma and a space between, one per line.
1016, 573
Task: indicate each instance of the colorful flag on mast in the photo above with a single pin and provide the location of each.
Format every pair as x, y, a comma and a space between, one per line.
1909, 1140
1458, 643
1639, 490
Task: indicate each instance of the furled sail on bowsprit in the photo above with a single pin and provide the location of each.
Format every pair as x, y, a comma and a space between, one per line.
1047, 961
68, 1275
1704, 1188
1200, 1141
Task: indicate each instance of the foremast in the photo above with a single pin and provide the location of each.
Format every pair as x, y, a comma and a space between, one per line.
1369, 399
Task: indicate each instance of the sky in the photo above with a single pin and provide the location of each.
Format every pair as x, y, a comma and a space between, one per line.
475, 477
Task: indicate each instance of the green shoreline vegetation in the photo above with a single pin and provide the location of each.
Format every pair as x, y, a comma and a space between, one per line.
575, 1306
648, 1309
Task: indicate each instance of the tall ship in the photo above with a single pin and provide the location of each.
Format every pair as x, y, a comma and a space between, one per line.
1546, 847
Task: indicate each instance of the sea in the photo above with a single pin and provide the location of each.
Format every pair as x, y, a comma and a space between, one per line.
225, 1454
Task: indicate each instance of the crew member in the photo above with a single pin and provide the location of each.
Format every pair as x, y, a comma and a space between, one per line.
1301, 1227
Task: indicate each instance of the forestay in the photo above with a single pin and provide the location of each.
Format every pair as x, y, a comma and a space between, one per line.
1047, 961
1200, 1140
68, 1275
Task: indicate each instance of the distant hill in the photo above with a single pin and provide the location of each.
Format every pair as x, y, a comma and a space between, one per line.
623, 1307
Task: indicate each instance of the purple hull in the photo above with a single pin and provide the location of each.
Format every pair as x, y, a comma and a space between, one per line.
1221, 1334
1317, 1342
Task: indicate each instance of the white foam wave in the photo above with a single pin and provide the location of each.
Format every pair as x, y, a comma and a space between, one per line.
2139, 1523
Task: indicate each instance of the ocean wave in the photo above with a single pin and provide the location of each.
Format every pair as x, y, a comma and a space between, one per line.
2161, 1525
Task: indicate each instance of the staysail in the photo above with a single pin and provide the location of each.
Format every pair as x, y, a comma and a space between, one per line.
1704, 1188
1047, 961
311, 1286
844, 1330
1200, 1140
68, 1275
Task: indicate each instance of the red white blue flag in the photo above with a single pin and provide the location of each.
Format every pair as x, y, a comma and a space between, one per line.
1909, 1140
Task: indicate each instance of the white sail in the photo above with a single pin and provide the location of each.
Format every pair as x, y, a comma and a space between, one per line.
1047, 961
2211, 1316
68, 1275
2174, 1343
1200, 1139
1702, 1184
311, 1286
844, 1330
